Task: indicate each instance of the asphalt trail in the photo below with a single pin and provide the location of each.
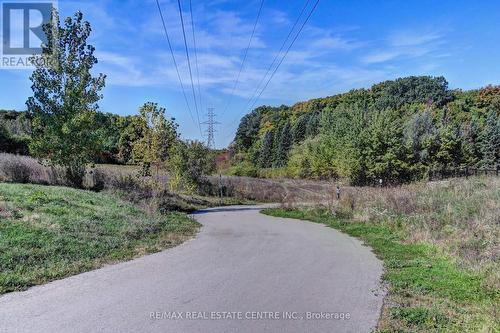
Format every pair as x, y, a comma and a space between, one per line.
244, 272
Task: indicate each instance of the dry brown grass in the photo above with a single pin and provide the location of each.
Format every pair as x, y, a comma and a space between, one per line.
276, 190
460, 216
150, 193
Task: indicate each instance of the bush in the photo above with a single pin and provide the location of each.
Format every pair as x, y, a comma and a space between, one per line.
190, 163
243, 169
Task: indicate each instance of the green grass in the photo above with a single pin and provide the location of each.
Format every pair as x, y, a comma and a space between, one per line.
427, 291
48, 233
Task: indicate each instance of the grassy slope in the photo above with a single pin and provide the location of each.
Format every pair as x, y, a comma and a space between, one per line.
427, 291
48, 233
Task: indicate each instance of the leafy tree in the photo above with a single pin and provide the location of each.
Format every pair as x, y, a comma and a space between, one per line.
64, 106
489, 98
159, 135
248, 130
132, 130
491, 141
189, 164
109, 129
397, 130
420, 139
5, 140
413, 89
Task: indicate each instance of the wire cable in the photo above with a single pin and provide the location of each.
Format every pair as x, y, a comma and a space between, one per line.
189, 64
244, 58
175, 62
287, 51
284, 56
195, 54
278, 54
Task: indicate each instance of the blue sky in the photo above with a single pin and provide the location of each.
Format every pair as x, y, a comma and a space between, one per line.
347, 44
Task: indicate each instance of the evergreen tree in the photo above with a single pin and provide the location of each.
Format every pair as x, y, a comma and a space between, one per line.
471, 133
266, 151
299, 129
386, 154
312, 127
284, 145
491, 140
449, 153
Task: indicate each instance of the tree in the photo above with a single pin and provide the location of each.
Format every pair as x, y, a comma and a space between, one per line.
189, 164
5, 140
284, 145
248, 130
450, 149
420, 139
386, 154
491, 140
132, 129
413, 89
471, 133
397, 130
299, 129
64, 105
159, 135
312, 126
266, 151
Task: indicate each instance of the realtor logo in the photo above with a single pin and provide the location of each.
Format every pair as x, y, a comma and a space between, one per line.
22, 31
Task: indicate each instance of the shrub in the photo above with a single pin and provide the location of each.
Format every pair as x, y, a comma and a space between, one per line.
190, 163
243, 169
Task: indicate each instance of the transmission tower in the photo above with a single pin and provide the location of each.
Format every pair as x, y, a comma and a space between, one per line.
211, 127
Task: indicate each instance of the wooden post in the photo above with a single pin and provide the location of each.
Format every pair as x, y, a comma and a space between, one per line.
220, 187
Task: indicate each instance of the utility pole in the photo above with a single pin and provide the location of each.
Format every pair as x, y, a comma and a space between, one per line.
211, 128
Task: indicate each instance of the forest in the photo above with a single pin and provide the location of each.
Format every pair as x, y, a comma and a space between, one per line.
396, 131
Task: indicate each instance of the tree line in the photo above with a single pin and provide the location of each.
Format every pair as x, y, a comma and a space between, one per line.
64, 127
398, 131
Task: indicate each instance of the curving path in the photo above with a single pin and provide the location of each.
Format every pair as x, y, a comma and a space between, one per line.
245, 272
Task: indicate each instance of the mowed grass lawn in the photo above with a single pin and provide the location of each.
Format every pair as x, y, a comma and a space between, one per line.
47, 233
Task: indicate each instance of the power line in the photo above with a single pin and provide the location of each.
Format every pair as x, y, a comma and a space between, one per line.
286, 53
189, 63
284, 56
195, 53
175, 62
278, 54
244, 58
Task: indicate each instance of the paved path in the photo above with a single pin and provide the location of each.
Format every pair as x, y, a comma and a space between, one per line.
269, 272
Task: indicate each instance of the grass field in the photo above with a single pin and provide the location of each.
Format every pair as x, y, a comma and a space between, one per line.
439, 245
47, 233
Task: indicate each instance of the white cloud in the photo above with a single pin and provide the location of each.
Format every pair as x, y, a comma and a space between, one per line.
414, 38
406, 44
